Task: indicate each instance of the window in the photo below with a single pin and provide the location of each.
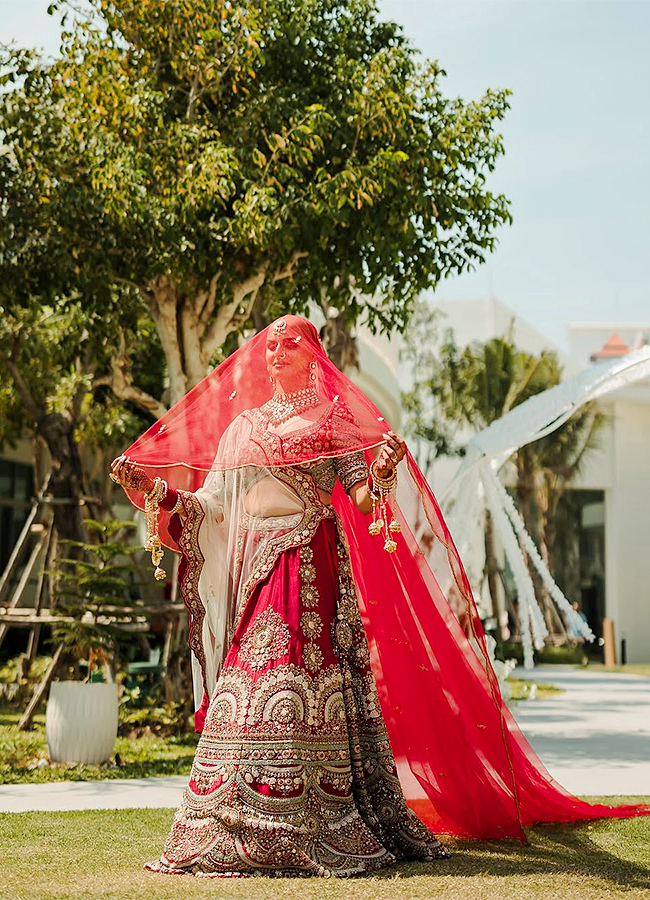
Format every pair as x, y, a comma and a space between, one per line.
16, 492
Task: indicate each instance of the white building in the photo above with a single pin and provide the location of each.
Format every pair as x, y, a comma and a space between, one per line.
620, 469
611, 499
480, 320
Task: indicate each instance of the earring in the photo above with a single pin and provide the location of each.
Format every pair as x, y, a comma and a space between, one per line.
312, 371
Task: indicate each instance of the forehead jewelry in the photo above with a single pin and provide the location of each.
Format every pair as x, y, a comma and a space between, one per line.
280, 326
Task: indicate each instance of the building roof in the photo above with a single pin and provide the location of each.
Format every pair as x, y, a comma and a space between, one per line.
613, 347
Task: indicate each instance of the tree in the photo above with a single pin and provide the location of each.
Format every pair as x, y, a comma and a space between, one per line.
235, 160
53, 365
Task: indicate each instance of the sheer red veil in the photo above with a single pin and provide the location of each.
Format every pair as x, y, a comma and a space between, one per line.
465, 766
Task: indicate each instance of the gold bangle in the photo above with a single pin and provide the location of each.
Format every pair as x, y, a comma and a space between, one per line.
386, 484
158, 492
177, 507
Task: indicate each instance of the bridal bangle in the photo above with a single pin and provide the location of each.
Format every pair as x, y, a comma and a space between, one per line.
380, 488
152, 511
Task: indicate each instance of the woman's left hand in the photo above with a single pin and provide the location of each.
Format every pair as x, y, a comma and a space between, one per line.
390, 454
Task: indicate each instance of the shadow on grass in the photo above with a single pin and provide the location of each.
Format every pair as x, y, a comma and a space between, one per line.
179, 765
9, 718
553, 850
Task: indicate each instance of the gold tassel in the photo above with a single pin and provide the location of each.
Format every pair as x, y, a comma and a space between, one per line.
152, 511
379, 493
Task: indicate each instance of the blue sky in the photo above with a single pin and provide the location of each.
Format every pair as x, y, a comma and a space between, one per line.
577, 164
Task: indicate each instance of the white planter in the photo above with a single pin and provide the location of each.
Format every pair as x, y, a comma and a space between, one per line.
81, 722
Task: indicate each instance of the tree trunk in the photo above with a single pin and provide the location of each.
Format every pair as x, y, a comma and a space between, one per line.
193, 326
341, 347
492, 575
66, 485
526, 495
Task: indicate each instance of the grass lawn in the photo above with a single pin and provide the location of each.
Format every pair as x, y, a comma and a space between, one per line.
628, 669
98, 855
521, 688
20, 752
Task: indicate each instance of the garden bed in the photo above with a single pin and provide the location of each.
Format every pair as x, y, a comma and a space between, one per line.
23, 755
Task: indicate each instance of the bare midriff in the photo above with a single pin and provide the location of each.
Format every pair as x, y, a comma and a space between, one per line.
270, 497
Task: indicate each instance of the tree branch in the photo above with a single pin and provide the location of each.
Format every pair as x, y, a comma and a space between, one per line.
229, 316
161, 299
193, 97
289, 270
82, 389
121, 383
196, 362
208, 300
127, 281
34, 409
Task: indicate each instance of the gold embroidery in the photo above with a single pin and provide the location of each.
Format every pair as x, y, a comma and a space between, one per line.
343, 635
266, 638
308, 572
333, 433
328, 769
282, 682
294, 770
309, 595
311, 624
312, 656
188, 543
351, 469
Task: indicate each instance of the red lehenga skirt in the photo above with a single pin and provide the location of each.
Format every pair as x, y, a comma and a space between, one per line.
293, 772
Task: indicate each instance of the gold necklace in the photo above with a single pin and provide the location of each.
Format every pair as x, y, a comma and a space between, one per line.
283, 406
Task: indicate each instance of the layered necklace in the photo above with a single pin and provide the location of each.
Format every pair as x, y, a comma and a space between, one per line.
283, 406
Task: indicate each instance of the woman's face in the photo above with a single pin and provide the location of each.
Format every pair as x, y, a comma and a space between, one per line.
287, 359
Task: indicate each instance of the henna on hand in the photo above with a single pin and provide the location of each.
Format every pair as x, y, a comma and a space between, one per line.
130, 476
393, 451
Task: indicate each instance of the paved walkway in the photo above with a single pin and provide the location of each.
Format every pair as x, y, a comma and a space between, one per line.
117, 793
594, 739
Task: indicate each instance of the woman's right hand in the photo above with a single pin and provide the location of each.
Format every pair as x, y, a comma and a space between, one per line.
391, 453
130, 476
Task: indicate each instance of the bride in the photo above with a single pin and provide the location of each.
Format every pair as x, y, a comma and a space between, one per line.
340, 671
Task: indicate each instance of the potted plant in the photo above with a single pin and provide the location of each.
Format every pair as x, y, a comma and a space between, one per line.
91, 592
